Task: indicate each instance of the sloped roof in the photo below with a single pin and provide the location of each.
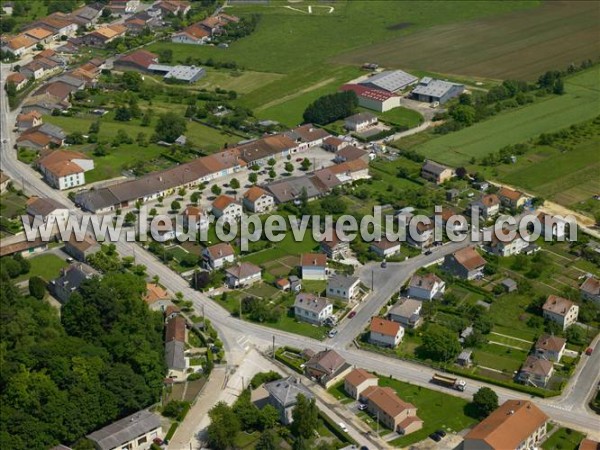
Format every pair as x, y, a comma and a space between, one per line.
384, 326
557, 305
550, 343
386, 400
426, 281
313, 259
124, 430
175, 329
591, 286
328, 361
37, 206
286, 391
243, 270
359, 376
220, 250
223, 201
510, 193
311, 302
469, 258
254, 193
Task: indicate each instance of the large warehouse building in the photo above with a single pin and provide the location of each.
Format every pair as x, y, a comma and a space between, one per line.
430, 90
390, 80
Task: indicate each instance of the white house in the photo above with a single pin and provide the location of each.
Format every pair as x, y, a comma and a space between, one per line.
426, 287
47, 210
360, 122
343, 287
243, 274
134, 432
258, 200
312, 309
488, 205
313, 266
385, 332
385, 248
194, 219
557, 227
506, 247
226, 206
65, 169
407, 313
216, 256
560, 310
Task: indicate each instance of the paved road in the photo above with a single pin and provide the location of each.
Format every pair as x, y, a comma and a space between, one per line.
238, 336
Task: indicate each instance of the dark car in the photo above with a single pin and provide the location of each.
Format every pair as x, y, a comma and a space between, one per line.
352, 314
441, 433
436, 437
428, 252
384, 264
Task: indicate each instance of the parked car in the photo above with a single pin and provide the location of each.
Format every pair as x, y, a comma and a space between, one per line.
299, 159
332, 333
384, 264
436, 437
362, 406
441, 433
352, 314
343, 427
69, 259
428, 252
589, 351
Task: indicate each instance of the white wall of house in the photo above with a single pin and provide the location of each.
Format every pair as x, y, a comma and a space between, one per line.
387, 340
314, 273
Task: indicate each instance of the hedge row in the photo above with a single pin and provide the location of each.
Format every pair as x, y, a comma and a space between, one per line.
336, 430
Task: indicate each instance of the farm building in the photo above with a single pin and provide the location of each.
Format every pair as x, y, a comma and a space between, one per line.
390, 80
375, 99
431, 90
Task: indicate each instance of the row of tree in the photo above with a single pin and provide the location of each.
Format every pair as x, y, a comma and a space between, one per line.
332, 107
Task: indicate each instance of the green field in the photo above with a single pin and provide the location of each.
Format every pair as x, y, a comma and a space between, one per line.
517, 45
564, 439
579, 103
402, 116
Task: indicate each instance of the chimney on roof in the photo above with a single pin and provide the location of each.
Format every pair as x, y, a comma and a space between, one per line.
511, 412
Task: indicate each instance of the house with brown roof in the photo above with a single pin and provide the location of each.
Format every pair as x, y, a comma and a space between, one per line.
550, 347
193, 218
103, 35
18, 80
312, 308
40, 35
226, 207
42, 137
139, 60
516, 424
589, 444
488, 205
385, 332
24, 248
174, 7
313, 266
590, 290
333, 246
242, 275
175, 337
193, 34
334, 144
257, 200
465, 263
19, 45
123, 6
350, 153
65, 169
327, 367
81, 250
384, 248
560, 310
307, 136
259, 151
216, 256
511, 198
426, 287
357, 381
421, 235
47, 210
156, 297
536, 371
44, 103
4, 182
384, 404
436, 172
29, 120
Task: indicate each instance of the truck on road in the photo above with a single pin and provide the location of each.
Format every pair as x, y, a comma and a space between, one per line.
450, 382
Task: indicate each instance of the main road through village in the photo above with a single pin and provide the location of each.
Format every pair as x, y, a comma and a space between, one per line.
239, 336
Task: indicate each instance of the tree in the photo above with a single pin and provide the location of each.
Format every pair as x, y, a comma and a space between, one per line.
223, 428
122, 114
306, 164
267, 441
269, 416
130, 218
142, 140
461, 172
37, 287
147, 118
132, 80
289, 167
464, 114
170, 126
332, 107
175, 205
272, 173
75, 138
271, 162
195, 197
305, 417
215, 189
439, 344
253, 178
575, 335
486, 401
235, 184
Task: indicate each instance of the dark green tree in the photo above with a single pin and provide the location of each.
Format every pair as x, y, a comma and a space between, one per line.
37, 287
486, 401
305, 417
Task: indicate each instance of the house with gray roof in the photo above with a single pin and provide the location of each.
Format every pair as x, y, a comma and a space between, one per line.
407, 312
312, 309
360, 122
135, 431
343, 287
291, 189
283, 395
70, 280
430, 90
390, 80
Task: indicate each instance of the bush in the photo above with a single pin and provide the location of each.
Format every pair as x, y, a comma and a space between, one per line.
37, 287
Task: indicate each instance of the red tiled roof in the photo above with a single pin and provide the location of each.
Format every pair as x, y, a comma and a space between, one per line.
223, 201
384, 326
142, 58
313, 259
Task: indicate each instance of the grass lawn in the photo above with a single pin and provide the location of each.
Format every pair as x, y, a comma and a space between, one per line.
564, 439
46, 266
287, 247
239, 81
429, 403
579, 103
12, 205
401, 116
337, 390
499, 357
